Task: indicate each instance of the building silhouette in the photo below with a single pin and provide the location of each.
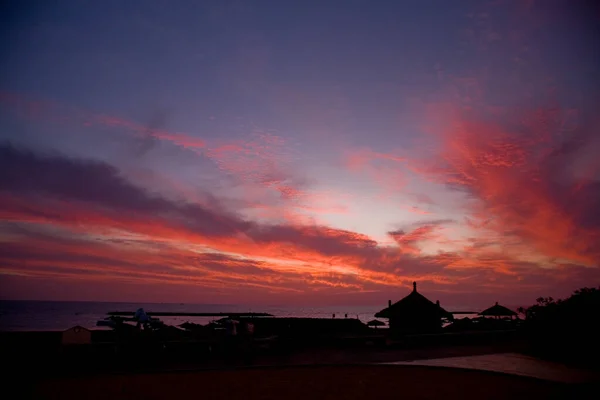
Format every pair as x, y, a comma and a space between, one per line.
414, 314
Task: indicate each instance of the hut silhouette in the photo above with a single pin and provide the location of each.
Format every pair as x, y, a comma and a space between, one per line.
498, 311
414, 314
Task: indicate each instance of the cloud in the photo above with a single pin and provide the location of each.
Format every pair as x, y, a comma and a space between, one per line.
262, 159
51, 111
131, 234
49, 255
385, 170
53, 190
535, 181
261, 162
409, 240
100, 184
60, 188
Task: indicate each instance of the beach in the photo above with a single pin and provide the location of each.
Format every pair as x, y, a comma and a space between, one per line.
326, 371
307, 382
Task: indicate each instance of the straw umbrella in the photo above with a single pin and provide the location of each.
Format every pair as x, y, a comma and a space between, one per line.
498, 311
375, 323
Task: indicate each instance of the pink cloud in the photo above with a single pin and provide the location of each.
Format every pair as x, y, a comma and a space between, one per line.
523, 182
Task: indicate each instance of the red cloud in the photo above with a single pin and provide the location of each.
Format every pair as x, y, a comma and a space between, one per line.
165, 237
526, 179
408, 241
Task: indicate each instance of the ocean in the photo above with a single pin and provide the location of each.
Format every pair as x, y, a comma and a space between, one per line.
60, 315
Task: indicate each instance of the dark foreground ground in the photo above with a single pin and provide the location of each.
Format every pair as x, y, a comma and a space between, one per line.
38, 367
41, 353
312, 373
306, 382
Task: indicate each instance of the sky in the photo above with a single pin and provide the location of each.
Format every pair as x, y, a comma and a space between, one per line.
299, 152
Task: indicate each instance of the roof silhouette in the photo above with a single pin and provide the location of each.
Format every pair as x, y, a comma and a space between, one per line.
414, 303
498, 311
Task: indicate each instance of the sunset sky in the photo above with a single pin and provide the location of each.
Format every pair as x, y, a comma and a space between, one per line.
299, 152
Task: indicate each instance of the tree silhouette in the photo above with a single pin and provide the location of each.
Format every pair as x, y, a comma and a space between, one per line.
566, 328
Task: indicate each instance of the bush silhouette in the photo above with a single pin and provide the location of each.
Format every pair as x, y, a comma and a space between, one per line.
566, 329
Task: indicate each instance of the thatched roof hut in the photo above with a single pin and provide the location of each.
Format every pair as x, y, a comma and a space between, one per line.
414, 303
414, 313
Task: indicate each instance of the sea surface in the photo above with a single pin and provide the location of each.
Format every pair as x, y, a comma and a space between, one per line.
60, 315
513, 364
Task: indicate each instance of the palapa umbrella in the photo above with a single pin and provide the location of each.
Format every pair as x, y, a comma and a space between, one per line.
498, 311
376, 323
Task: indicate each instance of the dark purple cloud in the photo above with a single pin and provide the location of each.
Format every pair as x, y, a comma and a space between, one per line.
99, 184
